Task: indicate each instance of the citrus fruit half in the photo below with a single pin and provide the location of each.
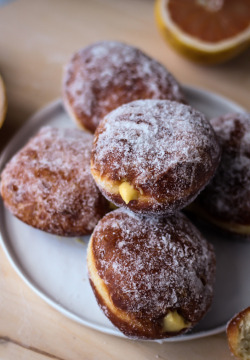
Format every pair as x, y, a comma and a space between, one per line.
3, 102
207, 31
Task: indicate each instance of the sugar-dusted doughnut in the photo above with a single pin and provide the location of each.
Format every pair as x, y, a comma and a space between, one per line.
238, 335
107, 74
48, 184
226, 200
153, 278
154, 156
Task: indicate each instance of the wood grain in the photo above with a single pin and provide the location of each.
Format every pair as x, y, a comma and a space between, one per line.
27, 323
19, 350
36, 39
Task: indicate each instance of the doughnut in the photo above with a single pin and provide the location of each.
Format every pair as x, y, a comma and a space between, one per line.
238, 335
3, 102
107, 74
154, 156
48, 183
152, 277
225, 201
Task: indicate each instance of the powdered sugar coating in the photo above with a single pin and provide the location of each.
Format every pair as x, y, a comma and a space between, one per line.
107, 74
151, 266
164, 148
48, 183
227, 197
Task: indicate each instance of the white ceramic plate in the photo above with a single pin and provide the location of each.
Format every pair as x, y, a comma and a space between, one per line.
55, 268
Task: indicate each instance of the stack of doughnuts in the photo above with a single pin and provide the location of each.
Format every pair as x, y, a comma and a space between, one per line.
151, 270
152, 158
151, 155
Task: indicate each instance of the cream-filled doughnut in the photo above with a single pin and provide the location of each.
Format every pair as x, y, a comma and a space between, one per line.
154, 156
152, 277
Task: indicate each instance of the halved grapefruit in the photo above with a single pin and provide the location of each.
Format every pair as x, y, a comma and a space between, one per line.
207, 31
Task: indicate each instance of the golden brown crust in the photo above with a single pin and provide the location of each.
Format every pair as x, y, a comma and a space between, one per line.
148, 267
48, 184
231, 230
107, 74
238, 334
149, 326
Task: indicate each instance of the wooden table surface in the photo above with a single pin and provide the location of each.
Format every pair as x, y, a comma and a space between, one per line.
36, 39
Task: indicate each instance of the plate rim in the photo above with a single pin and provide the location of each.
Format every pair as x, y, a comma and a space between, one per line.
31, 125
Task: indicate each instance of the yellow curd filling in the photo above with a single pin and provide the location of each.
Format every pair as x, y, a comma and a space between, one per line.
127, 192
174, 322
